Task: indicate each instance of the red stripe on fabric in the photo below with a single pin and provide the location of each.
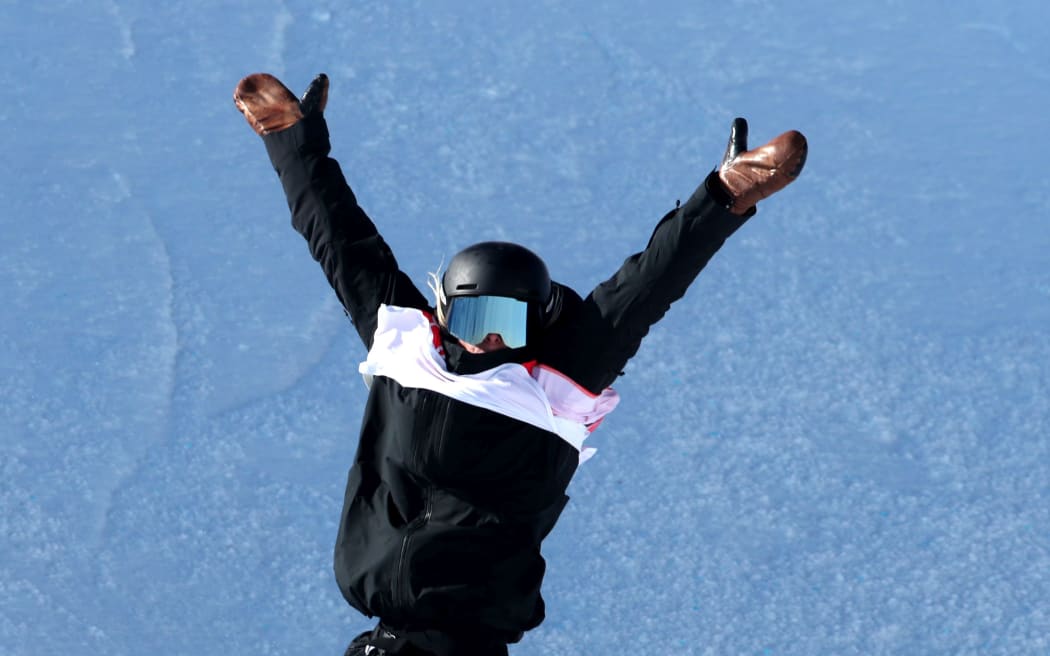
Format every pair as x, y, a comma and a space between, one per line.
435, 332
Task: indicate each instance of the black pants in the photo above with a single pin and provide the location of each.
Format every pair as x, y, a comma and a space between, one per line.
420, 643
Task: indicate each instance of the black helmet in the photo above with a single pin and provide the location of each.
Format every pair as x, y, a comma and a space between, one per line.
497, 268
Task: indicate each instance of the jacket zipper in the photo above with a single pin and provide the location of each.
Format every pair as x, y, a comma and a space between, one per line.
400, 591
440, 450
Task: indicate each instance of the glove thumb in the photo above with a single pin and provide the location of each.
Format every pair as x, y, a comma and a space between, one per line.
316, 96
737, 141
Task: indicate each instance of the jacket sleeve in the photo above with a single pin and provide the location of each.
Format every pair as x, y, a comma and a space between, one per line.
595, 338
355, 259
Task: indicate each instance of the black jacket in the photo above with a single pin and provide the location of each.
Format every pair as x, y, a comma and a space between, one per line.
447, 503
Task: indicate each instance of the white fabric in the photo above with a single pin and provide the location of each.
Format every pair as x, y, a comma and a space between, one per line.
404, 350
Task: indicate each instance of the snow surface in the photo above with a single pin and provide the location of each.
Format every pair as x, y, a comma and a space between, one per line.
837, 443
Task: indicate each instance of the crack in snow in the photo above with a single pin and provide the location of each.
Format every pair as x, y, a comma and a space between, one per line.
167, 347
281, 22
127, 42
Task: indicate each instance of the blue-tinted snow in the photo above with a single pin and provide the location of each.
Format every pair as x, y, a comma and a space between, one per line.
837, 443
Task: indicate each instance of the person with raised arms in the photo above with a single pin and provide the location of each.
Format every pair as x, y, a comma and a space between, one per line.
482, 395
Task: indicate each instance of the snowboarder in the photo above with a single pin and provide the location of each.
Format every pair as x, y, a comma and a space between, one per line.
480, 399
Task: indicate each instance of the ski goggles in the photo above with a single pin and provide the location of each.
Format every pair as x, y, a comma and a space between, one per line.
472, 318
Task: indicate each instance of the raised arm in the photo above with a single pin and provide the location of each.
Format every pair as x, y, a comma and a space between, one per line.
355, 259
596, 338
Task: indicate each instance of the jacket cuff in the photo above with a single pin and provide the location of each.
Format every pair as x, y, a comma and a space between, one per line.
710, 203
718, 194
308, 136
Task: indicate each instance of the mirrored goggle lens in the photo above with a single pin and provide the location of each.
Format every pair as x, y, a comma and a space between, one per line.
472, 318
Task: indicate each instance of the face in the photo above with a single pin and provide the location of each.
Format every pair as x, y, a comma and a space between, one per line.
492, 342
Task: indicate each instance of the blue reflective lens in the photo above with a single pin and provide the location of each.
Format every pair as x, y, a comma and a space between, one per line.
472, 318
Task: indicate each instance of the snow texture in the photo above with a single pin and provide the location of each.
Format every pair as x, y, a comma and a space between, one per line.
837, 443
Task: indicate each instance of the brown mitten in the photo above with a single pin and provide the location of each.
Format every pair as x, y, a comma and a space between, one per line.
270, 107
751, 175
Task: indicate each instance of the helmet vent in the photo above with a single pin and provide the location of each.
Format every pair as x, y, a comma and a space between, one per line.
496, 268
